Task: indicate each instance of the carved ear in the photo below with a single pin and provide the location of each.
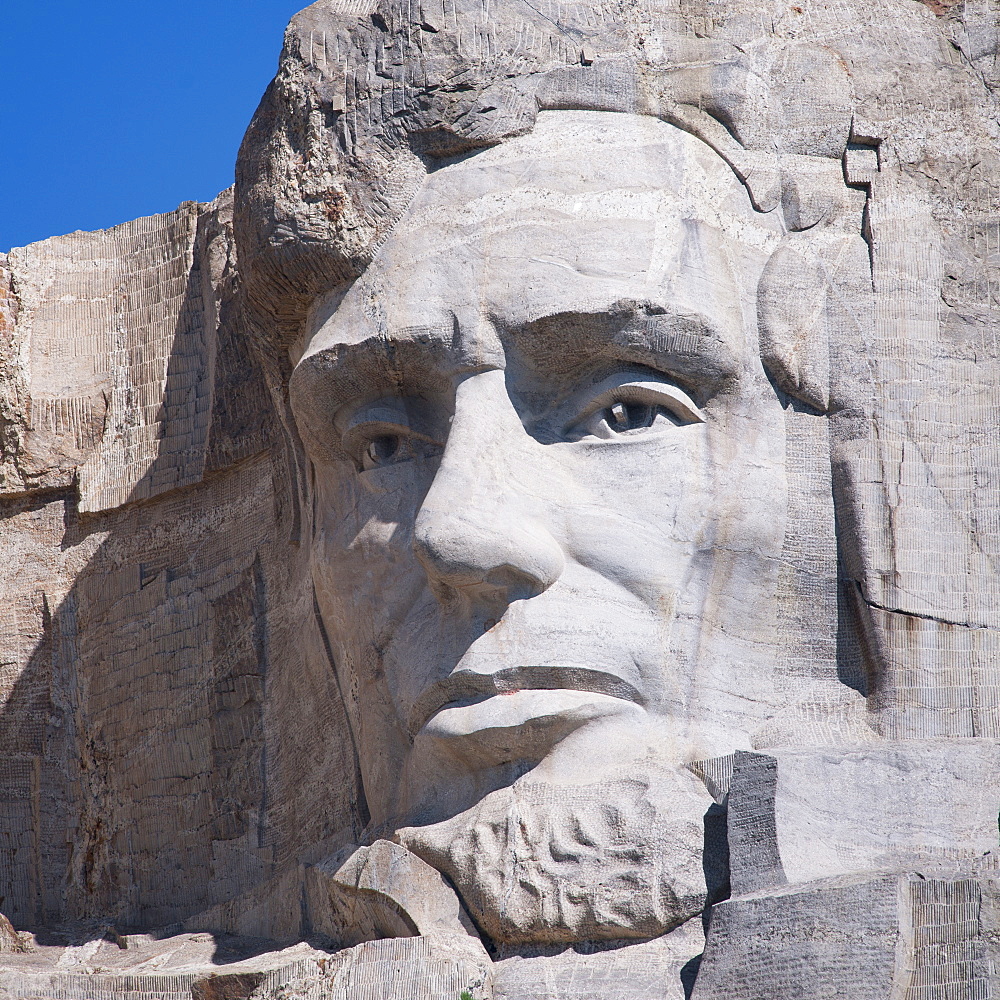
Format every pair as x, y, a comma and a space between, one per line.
791, 315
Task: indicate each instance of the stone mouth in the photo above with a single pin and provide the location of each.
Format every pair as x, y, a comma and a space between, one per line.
468, 687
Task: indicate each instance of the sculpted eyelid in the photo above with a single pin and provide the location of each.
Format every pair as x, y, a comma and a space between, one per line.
380, 415
366, 429
643, 391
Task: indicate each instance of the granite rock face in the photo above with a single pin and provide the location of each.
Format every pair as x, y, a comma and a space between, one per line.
536, 537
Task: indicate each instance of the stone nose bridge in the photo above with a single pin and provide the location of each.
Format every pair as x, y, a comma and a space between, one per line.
482, 532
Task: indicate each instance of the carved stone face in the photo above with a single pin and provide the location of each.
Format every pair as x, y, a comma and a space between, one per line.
549, 468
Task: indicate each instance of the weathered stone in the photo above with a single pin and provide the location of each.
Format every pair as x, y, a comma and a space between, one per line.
619, 860
909, 935
661, 969
547, 508
381, 891
796, 816
10, 940
417, 968
178, 967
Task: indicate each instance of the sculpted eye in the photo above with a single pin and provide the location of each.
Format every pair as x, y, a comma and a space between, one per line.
618, 408
377, 443
624, 417
382, 433
382, 450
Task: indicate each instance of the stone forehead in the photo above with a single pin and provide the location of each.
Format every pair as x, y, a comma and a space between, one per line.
641, 212
624, 167
613, 153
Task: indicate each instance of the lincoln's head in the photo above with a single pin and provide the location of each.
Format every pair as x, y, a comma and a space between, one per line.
549, 467
541, 401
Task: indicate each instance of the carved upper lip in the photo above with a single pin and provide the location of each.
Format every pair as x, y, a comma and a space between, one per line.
465, 687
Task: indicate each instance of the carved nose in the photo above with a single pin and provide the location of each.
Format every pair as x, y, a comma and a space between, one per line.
492, 561
479, 533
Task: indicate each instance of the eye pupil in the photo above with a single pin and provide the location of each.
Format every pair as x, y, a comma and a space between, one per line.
382, 449
630, 416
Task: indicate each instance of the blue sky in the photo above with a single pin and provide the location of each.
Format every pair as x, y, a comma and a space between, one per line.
110, 109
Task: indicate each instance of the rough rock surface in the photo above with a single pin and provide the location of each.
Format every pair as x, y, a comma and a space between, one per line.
99, 963
537, 536
148, 592
382, 891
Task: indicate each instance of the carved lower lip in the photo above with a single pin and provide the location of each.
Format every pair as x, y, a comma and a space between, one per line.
467, 687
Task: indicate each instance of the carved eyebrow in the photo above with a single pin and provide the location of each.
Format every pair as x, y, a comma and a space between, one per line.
423, 360
381, 352
688, 346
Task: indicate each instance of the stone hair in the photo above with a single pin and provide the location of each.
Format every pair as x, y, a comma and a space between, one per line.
369, 98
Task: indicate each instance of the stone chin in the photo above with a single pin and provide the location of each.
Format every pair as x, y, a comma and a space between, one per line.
541, 863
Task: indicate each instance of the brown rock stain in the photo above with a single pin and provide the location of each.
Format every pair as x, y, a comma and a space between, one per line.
237, 987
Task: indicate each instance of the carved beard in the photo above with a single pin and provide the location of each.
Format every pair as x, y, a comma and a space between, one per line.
542, 863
